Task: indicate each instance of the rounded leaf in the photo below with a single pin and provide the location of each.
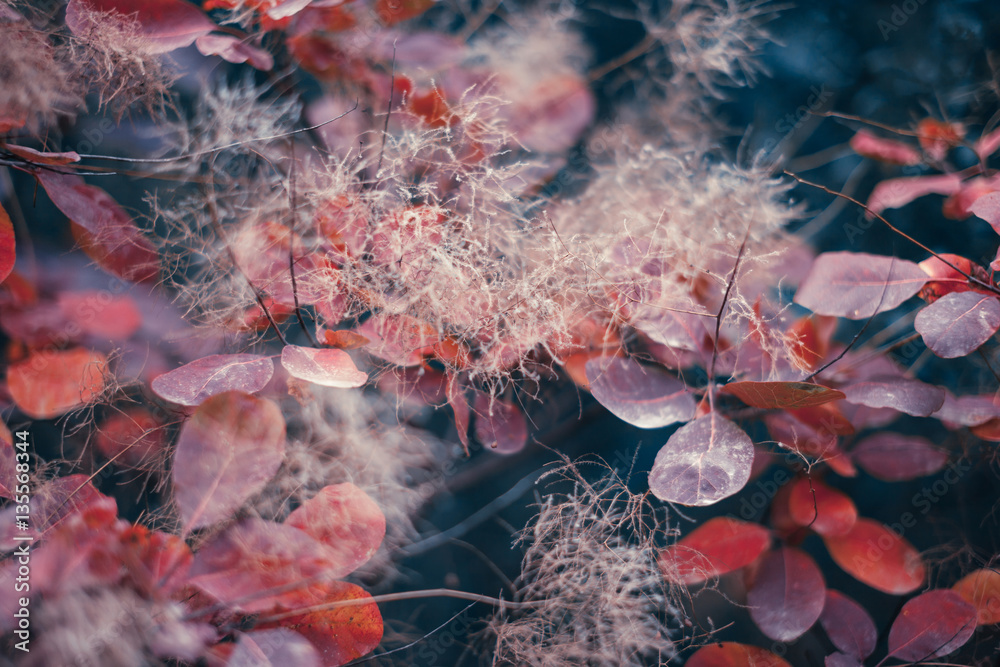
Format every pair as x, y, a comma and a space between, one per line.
50, 383
702, 462
894, 457
273, 648
326, 366
193, 383
848, 625
718, 546
226, 452
500, 426
875, 555
958, 323
787, 594
931, 625
6, 245
857, 285
732, 654
817, 506
640, 395
910, 396
981, 589
166, 24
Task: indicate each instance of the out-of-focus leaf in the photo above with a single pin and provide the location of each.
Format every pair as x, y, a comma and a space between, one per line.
987, 207
7, 245
166, 24
500, 425
781, 394
640, 395
326, 367
50, 383
459, 403
8, 479
787, 594
968, 410
193, 383
886, 150
814, 504
732, 654
904, 394
896, 192
391, 12
702, 462
958, 323
857, 285
981, 589
234, 50
718, 546
226, 452
42, 157
848, 625
273, 648
894, 457
346, 520
132, 438
877, 556
101, 314
931, 625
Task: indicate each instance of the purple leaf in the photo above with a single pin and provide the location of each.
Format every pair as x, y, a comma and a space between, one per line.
229, 449
640, 395
273, 648
857, 285
968, 410
987, 207
848, 625
958, 323
327, 367
839, 659
787, 594
702, 462
894, 457
500, 426
235, 50
931, 625
910, 396
192, 383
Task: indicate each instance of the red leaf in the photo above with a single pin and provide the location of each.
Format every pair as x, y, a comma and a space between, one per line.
894, 457
50, 383
255, 565
343, 339
782, 394
235, 50
106, 233
100, 314
347, 520
857, 285
877, 556
718, 546
8, 480
931, 625
192, 383
702, 462
460, 407
809, 340
848, 625
166, 24
731, 654
7, 245
894, 152
132, 438
959, 205
981, 589
229, 449
787, 594
398, 339
500, 425
391, 12
910, 396
821, 508
958, 323
897, 192
641, 395
326, 367
273, 648
340, 633
947, 279
936, 137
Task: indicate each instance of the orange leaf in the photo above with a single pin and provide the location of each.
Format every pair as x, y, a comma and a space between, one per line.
981, 589
875, 555
732, 654
782, 394
718, 546
50, 383
821, 508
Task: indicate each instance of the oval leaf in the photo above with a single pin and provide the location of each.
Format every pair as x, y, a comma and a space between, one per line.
848, 625
193, 383
229, 449
273, 648
857, 285
6, 245
50, 383
235, 50
345, 519
958, 323
327, 367
825, 510
702, 463
910, 396
931, 625
500, 426
782, 394
894, 457
639, 395
718, 546
732, 654
877, 556
981, 589
166, 24
787, 594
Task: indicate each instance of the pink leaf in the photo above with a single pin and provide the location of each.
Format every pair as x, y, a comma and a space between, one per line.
255, 564
931, 625
7, 245
8, 481
987, 207
500, 425
229, 449
887, 150
641, 395
702, 462
100, 314
550, 117
988, 144
326, 367
848, 625
968, 410
897, 192
894, 457
345, 519
273, 648
107, 234
192, 383
958, 323
857, 285
235, 50
166, 24
910, 396
787, 594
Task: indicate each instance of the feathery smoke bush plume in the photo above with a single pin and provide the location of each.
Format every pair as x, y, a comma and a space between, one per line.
590, 558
